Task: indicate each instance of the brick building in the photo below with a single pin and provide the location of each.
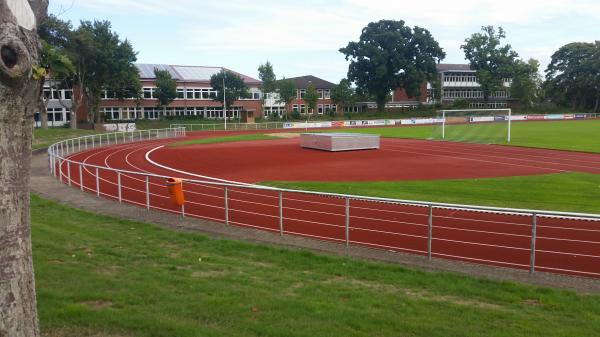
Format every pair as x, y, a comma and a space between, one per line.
324, 103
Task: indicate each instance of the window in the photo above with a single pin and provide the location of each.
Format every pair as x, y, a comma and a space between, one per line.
180, 93
301, 93
111, 113
326, 93
148, 93
68, 94
302, 108
320, 91
320, 109
256, 95
295, 108
47, 93
334, 108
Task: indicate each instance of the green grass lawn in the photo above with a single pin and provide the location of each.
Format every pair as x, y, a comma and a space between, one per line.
101, 276
566, 135
570, 192
46, 137
224, 139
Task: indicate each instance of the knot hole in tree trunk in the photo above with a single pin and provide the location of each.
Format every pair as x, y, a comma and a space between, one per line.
9, 57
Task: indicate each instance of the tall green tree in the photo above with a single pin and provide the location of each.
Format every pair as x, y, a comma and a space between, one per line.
268, 78
343, 94
166, 88
311, 96
492, 61
286, 90
20, 77
527, 82
573, 75
234, 89
391, 55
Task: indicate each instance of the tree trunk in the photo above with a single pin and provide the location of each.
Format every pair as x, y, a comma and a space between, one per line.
19, 100
597, 105
381, 104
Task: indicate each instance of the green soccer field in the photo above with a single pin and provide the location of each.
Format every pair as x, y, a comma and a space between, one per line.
576, 135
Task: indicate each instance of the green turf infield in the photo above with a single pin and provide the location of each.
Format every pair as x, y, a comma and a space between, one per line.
223, 139
575, 135
101, 276
569, 192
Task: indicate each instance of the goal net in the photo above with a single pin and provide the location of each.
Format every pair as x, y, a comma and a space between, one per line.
473, 125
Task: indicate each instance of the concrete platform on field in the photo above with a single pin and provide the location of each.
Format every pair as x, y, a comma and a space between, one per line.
339, 141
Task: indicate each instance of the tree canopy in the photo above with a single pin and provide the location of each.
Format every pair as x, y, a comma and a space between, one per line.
573, 75
311, 96
343, 93
527, 82
391, 55
166, 88
268, 78
492, 61
286, 89
235, 88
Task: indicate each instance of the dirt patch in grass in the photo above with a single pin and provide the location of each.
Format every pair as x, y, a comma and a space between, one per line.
97, 304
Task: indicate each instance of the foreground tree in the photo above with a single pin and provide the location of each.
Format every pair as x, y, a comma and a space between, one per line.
19, 100
492, 62
573, 75
311, 96
286, 89
166, 88
234, 89
390, 55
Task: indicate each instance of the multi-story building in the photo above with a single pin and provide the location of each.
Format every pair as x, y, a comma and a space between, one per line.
194, 96
324, 104
458, 81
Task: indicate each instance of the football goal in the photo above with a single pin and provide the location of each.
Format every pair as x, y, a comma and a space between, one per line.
473, 125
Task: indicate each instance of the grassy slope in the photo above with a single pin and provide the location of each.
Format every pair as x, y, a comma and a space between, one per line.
225, 139
566, 135
102, 276
572, 192
43, 138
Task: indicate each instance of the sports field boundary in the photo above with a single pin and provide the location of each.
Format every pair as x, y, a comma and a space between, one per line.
481, 247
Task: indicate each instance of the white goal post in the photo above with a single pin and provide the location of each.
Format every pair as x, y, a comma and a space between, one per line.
481, 113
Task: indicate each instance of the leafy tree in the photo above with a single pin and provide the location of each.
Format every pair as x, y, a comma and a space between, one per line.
235, 88
390, 55
527, 82
573, 75
268, 78
166, 88
286, 89
492, 62
20, 81
343, 94
311, 96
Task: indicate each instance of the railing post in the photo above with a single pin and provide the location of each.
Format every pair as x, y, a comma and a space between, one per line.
80, 178
226, 207
347, 224
533, 238
280, 213
429, 232
97, 183
183, 204
60, 170
147, 192
78, 144
119, 186
68, 173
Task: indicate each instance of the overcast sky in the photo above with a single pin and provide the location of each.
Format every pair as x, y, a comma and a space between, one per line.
303, 37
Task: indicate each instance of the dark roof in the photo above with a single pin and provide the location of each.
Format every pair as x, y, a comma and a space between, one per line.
453, 67
187, 73
303, 81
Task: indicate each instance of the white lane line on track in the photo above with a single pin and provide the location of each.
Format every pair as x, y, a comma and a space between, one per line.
496, 156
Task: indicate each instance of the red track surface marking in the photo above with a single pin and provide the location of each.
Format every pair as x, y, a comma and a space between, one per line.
563, 245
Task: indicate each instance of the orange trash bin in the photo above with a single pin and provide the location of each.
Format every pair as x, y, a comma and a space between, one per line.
176, 190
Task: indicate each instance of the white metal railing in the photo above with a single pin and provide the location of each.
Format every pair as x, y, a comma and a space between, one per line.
567, 242
230, 126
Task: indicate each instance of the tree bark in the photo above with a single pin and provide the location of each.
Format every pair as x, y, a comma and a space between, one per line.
19, 100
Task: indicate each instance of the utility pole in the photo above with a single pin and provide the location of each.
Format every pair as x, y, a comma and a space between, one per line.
224, 101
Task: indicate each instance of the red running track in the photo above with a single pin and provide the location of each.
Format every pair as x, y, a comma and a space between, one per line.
562, 245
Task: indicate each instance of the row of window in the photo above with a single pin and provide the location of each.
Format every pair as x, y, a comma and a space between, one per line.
321, 108
491, 105
51, 93
116, 113
273, 111
323, 93
472, 93
468, 78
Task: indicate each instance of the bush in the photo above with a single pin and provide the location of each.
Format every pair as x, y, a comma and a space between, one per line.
460, 103
296, 115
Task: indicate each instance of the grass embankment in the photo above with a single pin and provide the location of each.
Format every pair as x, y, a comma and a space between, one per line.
100, 276
46, 137
569, 192
224, 139
564, 135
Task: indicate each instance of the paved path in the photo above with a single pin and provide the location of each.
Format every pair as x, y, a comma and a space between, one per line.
48, 187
